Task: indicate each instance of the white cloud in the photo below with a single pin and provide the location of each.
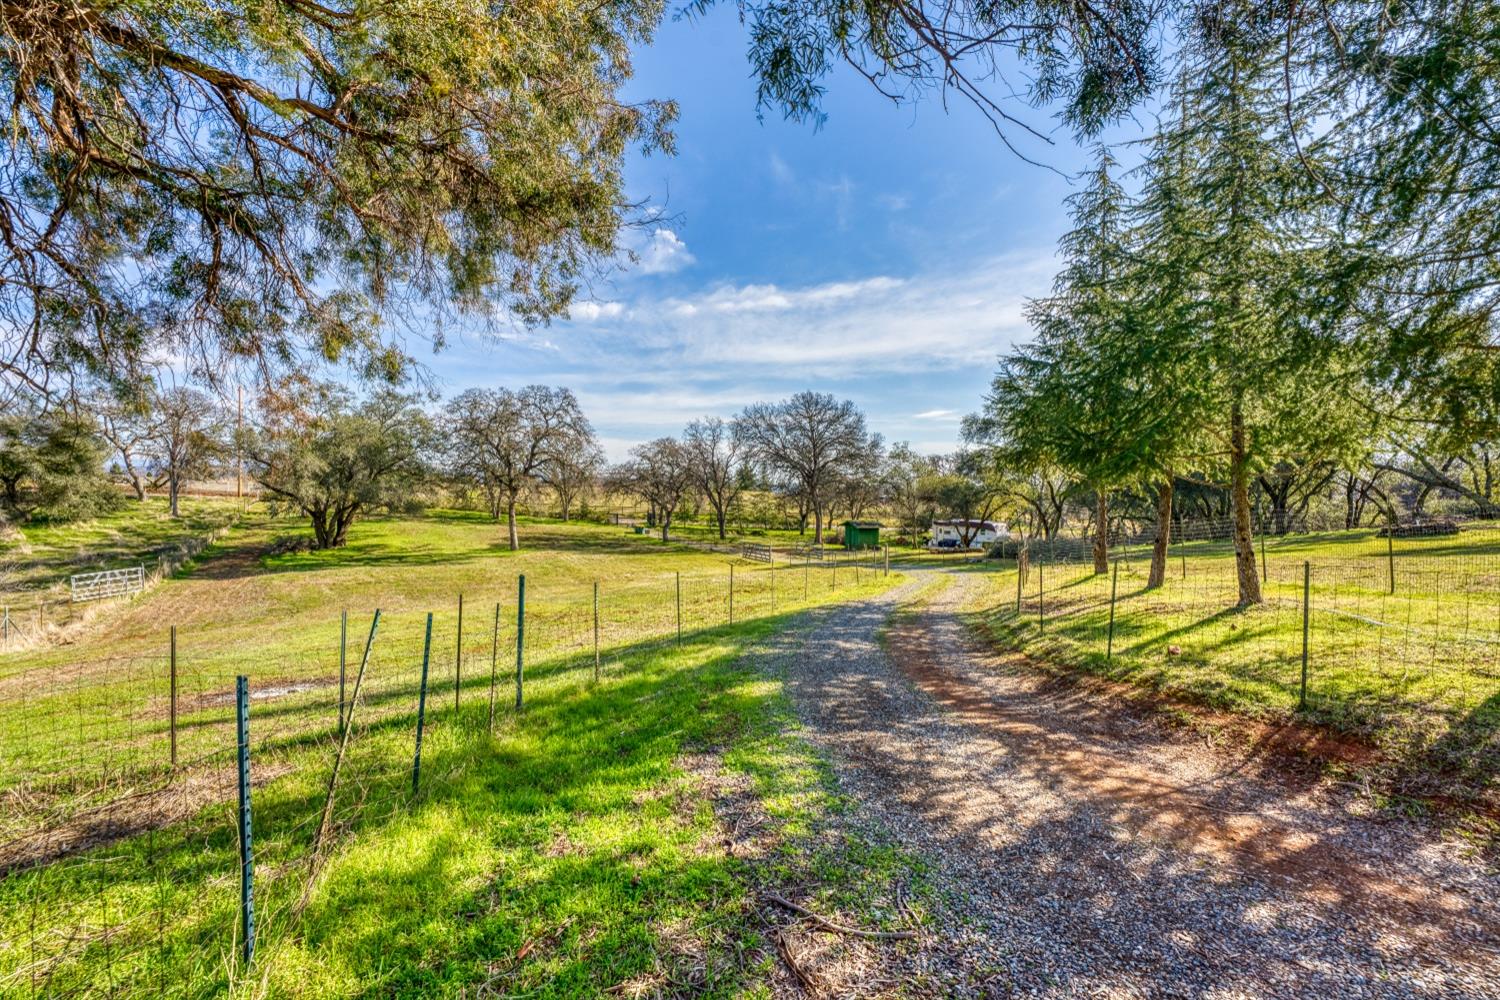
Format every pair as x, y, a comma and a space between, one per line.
773, 298
946, 415
893, 202
592, 312
664, 253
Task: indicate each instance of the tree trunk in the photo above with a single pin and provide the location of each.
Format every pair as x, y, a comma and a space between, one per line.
1101, 534
172, 490
139, 485
510, 521
320, 528
720, 512
342, 520
1163, 535
817, 525
666, 524
1239, 498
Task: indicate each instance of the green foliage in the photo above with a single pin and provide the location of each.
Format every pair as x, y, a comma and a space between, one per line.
52, 467
1094, 63
251, 181
1416, 161
343, 460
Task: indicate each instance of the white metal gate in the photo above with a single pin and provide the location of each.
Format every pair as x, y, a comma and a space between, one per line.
108, 583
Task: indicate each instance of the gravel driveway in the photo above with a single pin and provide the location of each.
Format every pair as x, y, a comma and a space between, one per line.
1085, 849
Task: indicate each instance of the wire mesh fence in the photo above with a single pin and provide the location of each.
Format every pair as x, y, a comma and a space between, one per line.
119, 778
1399, 627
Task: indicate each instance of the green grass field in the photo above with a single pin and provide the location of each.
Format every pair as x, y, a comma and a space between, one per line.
565, 849
1409, 658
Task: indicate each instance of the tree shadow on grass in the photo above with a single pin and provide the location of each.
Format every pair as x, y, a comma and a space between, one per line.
1460, 767
580, 754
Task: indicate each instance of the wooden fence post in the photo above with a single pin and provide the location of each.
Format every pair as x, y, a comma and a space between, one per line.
1041, 621
343, 662
338, 760
458, 654
1306, 621
1109, 644
1390, 556
172, 697
494, 665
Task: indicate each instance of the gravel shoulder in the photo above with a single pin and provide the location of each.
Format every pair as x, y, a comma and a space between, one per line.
1083, 848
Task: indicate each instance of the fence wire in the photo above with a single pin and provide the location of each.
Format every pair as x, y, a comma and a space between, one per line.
1401, 628
118, 780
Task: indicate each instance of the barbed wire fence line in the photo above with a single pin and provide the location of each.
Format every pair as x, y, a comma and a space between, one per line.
120, 777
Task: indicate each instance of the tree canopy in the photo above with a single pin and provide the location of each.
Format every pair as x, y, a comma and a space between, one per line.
262, 182
339, 459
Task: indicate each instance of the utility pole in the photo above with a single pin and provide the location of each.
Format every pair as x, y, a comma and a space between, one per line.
239, 453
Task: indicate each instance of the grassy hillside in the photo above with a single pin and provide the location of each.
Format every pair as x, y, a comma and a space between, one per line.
547, 851
37, 559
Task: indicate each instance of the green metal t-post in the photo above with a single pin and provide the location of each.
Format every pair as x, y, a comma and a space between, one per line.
247, 850
520, 635
416, 760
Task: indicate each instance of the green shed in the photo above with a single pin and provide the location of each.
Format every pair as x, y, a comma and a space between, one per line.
861, 534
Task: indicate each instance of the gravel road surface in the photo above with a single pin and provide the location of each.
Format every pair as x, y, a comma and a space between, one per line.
1085, 849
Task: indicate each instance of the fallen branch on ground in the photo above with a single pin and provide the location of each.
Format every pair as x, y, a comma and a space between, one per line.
827, 924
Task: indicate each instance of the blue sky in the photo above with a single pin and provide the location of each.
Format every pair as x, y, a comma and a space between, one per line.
884, 257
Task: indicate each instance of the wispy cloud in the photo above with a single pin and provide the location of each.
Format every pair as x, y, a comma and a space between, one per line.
780, 169
881, 323
914, 350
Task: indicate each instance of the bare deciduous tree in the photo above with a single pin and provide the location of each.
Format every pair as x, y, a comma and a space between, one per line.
124, 424
506, 440
810, 439
573, 473
715, 448
185, 435
661, 473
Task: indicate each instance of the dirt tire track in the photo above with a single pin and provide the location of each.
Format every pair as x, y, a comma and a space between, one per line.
1091, 850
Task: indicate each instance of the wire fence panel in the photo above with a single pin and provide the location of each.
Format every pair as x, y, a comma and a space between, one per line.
1400, 627
119, 871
